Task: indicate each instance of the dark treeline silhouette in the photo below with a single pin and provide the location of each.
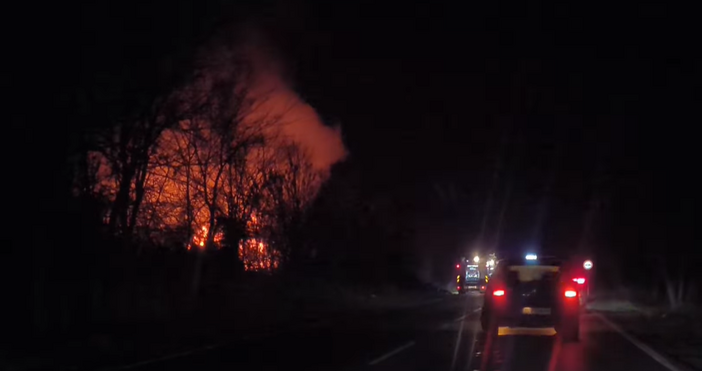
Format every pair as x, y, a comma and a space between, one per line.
93, 68
78, 260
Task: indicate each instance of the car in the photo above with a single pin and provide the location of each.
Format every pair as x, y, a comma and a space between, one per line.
532, 292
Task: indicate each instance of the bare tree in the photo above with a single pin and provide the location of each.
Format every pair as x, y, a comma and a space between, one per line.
207, 159
128, 148
291, 187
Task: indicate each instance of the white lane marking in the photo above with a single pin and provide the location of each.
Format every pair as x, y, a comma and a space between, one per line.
459, 336
391, 353
213, 346
471, 354
643, 347
164, 358
430, 301
461, 318
184, 353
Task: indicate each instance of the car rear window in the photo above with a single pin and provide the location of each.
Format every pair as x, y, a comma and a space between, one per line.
517, 274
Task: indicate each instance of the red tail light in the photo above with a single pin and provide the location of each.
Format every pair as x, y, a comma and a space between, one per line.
482, 287
458, 266
498, 293
570, 293
458, 288
579, 280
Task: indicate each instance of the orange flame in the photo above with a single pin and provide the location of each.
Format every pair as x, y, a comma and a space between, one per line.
257, 255
185, 166
200, 238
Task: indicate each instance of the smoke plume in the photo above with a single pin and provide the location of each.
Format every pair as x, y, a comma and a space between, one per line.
297, 121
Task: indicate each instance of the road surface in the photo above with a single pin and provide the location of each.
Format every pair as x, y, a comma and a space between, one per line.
439, 335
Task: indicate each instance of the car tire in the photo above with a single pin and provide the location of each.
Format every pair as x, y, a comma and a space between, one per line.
570, 331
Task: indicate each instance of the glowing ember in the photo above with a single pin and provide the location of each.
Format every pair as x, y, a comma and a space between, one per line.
258, 256
200, 238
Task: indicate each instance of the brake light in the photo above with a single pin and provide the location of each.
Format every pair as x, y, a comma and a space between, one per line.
498, 293
579, 280
458, 288
482, 287
458, 266
570, 294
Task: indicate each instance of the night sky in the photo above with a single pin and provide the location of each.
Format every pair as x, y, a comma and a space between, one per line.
555, 116
573, 115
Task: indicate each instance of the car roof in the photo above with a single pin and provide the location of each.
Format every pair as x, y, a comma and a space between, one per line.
542, 260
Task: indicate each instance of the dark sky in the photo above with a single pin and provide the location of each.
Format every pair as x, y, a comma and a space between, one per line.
581, 107
546, 108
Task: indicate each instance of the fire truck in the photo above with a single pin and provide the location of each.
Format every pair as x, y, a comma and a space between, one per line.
473, 274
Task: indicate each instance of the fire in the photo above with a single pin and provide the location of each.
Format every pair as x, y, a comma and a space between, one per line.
183, 192
257, 255
200, 239
201, 169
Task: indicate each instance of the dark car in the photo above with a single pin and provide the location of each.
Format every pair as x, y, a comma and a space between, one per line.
532, 292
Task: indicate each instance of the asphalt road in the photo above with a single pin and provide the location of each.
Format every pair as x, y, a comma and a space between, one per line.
439, 335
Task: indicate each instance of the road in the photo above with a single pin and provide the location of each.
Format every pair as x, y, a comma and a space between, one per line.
440, 335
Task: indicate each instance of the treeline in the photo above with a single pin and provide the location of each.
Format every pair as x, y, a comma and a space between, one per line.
161, 181
145, 140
